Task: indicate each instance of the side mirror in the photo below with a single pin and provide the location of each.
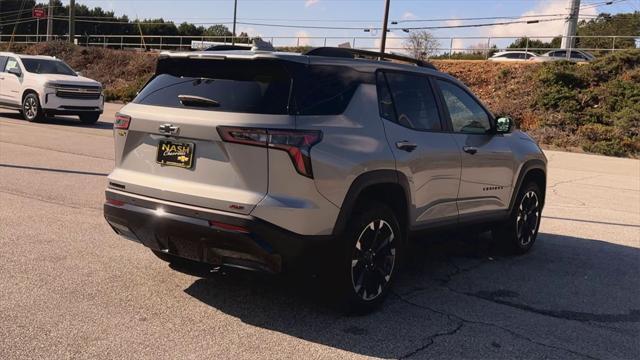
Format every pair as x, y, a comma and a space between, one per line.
79, 73
504, 125
15, 71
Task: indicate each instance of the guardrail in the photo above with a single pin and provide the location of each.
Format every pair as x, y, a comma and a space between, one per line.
457, 44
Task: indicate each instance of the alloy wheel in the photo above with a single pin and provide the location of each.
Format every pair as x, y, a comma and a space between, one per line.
528, 218
373, 260
30, 108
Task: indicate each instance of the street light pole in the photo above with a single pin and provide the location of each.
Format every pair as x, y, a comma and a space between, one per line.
383, 41
72, 20
50, 20
571, 26
235, 11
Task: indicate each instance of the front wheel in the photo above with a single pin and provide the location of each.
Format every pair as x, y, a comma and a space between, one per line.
519, 232
371, 257
31, 110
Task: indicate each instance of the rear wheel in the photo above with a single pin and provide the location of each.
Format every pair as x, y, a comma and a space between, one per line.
31, 110
519, 233
373, 246
89, 118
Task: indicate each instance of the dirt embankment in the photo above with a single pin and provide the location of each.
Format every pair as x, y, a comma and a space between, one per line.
593, 107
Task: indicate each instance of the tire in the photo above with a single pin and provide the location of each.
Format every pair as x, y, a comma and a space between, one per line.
371, 252
519, 233
89, 118
31, 110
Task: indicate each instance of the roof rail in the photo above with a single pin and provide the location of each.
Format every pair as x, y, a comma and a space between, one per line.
365, 54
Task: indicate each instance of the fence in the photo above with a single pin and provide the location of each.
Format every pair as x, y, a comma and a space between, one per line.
452, 45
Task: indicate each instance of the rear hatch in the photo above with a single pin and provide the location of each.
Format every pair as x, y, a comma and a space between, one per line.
167, 142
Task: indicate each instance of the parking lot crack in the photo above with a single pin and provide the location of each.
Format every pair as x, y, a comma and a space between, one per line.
461, 321
431, 340
632, 316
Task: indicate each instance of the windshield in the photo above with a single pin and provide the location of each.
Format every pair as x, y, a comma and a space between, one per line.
43, 66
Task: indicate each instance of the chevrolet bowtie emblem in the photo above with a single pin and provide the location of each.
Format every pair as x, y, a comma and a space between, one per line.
168, 129
183, 158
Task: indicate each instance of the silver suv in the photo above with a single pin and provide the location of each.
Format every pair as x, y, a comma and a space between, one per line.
269, 161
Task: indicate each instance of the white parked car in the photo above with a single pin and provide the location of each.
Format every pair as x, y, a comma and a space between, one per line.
512, 56
41, 86
568, 55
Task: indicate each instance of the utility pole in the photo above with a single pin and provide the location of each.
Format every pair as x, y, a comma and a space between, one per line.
235, 11
72, 20
383, 41
571, 26
50, 20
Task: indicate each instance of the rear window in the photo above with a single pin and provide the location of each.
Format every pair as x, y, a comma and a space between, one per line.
244, 86
253, 86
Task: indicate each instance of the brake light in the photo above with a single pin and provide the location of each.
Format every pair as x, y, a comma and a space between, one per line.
122, 122
297, 143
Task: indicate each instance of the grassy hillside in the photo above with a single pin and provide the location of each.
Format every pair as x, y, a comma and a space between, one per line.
588, 107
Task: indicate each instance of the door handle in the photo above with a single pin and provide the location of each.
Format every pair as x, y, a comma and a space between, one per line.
470, 149
406, 146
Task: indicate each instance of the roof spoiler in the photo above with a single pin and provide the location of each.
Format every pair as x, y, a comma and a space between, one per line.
365, 54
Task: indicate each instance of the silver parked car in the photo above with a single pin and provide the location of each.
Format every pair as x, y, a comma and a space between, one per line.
270, 161
567, 55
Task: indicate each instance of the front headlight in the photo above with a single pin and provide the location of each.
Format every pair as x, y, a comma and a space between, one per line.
50, 85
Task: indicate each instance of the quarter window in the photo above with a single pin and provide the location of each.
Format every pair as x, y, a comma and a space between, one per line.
467, 116
413, 101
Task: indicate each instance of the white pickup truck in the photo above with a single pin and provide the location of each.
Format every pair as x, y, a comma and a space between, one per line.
43, 86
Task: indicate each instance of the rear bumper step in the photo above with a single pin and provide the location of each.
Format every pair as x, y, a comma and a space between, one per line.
210, 236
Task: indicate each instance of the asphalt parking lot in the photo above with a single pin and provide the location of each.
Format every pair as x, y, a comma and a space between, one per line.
70, 288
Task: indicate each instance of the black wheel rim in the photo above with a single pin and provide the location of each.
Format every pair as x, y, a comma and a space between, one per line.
373, 260
30, 108
528, 218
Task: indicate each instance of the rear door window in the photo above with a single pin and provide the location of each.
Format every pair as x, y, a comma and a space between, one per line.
243, 86
3, 59
409, 101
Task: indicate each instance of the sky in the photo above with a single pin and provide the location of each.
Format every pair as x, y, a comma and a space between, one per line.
362, 14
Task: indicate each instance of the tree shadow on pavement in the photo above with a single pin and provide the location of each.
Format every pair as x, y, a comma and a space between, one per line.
450, 281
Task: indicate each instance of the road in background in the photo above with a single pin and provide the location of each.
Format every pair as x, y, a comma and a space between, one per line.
71, 288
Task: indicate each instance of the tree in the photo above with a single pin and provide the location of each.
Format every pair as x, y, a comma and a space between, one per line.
525, 43
627, 24
188, 29
218, 31
421, 45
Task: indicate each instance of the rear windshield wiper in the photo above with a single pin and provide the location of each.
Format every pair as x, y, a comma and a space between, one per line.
190, 100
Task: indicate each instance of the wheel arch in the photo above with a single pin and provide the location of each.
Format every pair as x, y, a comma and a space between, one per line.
388, 186
28, 91
532, 170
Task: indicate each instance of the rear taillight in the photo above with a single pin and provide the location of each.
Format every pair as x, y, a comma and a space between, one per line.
297, 143
122, 122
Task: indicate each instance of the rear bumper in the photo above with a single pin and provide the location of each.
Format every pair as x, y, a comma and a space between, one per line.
210, 236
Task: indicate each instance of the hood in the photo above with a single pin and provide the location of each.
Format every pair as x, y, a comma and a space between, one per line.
71, 80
